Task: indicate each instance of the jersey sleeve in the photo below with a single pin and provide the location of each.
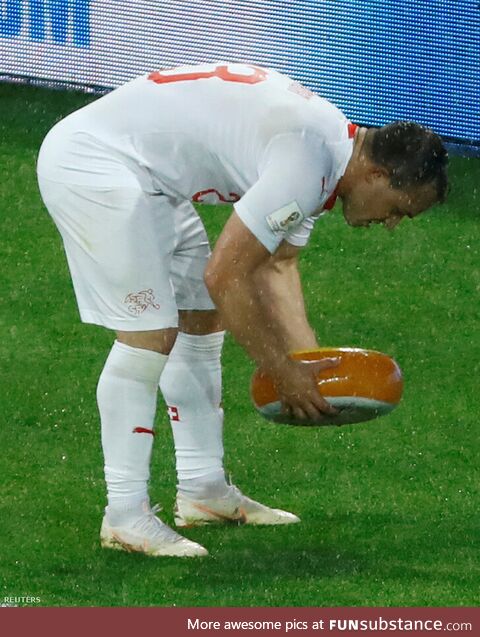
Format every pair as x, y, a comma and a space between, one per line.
289, 190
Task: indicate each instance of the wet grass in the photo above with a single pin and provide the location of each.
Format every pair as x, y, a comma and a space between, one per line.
389, 508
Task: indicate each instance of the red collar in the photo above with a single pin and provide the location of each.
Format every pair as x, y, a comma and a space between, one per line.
328, 205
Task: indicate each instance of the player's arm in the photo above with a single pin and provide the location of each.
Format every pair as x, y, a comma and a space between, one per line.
251, 289
278, 285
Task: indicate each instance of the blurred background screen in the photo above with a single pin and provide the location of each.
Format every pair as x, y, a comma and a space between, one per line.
378, 60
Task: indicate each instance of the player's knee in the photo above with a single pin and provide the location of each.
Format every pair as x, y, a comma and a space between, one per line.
161, 341
200, 322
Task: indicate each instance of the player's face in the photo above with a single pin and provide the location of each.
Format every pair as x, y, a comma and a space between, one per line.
376, 201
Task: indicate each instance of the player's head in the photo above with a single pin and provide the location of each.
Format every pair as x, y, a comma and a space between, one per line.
395, 171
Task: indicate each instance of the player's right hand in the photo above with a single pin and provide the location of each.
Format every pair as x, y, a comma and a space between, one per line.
298, 390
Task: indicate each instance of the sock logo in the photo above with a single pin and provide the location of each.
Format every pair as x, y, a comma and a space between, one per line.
173, 413
143, 430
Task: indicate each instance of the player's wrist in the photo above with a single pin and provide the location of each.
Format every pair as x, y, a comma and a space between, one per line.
283, 371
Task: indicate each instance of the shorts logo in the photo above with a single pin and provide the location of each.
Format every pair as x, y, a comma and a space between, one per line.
138, 302
285, 218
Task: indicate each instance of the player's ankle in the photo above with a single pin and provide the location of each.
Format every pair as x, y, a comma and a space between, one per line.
120, 510
212, 485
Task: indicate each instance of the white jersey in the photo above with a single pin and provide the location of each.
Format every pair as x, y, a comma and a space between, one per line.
211, 133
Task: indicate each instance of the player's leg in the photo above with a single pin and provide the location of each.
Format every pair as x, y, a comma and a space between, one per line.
127, 402
119, 244
192, 386
127, 399
192, 382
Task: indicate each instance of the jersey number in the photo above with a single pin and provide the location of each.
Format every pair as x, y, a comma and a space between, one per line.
222, 72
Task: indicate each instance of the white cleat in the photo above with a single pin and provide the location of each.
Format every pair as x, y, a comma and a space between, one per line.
148, 535
234, 507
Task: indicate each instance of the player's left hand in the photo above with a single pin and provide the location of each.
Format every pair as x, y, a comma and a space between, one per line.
298, 390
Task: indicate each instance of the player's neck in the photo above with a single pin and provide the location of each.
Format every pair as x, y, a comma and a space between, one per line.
356, 164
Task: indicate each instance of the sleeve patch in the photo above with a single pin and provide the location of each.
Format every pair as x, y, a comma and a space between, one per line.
285, 218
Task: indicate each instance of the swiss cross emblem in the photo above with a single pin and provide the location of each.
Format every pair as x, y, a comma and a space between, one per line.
173, 413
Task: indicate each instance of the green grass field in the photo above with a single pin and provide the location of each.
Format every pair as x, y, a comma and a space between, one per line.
389, 508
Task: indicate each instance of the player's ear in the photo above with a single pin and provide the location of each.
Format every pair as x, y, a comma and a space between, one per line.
376, 173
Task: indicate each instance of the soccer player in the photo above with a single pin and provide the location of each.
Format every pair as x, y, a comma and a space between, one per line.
118, 177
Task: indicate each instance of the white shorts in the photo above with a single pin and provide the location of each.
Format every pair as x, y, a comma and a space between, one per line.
135, 258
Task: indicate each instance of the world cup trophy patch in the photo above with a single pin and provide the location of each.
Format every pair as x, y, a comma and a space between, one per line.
285, 218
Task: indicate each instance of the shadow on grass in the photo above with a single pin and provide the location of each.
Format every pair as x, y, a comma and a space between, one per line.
358, 555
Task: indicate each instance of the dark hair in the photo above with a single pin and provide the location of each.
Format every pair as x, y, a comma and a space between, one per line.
412, 154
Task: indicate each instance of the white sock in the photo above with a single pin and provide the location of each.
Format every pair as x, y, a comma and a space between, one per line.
191, 384
127, 400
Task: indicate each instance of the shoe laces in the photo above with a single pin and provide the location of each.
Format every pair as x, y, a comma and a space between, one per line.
232, 488
154, 528
244, 501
